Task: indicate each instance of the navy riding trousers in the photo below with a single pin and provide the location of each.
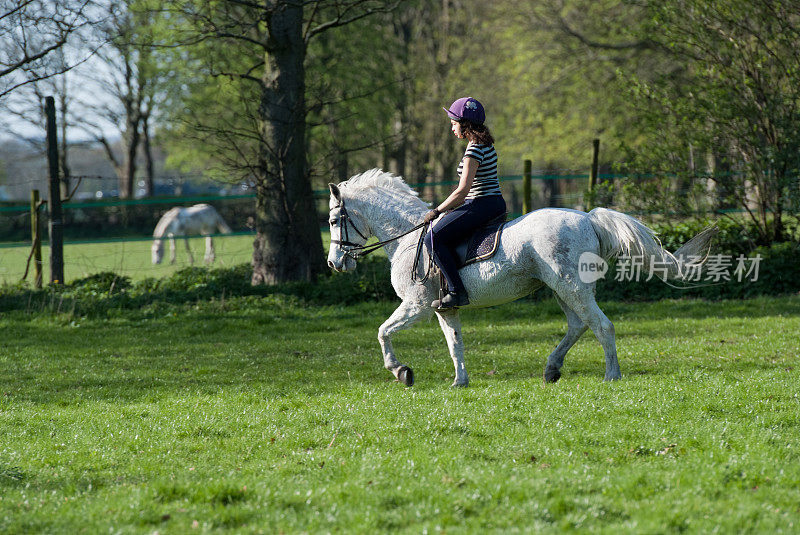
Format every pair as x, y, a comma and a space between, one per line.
456, 225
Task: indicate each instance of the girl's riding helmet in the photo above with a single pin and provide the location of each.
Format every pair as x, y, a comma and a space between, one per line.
467, 109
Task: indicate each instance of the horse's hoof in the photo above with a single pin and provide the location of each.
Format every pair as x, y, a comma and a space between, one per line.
405, 375
551, 375
459, 385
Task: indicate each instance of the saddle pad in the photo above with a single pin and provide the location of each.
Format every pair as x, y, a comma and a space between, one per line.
482, 245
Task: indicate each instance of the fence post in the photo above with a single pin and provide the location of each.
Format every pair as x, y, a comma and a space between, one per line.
55, 225
595, 159
593, 172
526, 186
36, 239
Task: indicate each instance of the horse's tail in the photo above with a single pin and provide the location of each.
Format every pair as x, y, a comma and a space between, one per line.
621, 234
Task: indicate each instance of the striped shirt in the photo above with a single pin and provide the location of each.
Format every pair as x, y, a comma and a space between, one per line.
485, 182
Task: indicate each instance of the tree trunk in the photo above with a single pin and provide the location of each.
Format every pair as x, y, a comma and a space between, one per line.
339, 155
149, 187
63, 149
550, 186
397, 147
130, 138
341, 169
288, 245
131, 145
777, 211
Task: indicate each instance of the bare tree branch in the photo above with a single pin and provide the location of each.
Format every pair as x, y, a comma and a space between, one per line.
32, 31
345, 16
569, 30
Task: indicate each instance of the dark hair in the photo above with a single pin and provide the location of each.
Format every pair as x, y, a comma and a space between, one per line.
476, 133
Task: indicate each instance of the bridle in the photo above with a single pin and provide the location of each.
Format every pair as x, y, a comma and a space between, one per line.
356, 251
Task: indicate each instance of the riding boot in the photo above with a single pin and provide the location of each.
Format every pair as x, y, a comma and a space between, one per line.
451, 300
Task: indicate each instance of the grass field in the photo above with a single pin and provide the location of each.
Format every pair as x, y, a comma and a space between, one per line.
264, 415
128, 257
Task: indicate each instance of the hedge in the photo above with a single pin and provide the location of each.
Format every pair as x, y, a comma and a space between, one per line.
778, 274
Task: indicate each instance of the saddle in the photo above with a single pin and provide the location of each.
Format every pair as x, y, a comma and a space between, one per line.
482, 244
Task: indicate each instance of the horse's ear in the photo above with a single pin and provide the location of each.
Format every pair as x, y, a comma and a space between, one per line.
335, 192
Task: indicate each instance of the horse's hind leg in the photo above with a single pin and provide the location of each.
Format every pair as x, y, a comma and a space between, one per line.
451, 327
575, 328
189, 251
402, 318
582, 302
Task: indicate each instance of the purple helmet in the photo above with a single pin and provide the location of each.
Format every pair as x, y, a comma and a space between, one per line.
466, 108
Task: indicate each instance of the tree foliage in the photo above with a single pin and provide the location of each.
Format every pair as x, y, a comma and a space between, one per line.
695, 101
557, 83
733, 111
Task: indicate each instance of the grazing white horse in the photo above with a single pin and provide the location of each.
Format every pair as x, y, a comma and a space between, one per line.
540, 248
200, 219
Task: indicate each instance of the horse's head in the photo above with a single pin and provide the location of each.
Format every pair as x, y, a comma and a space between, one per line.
346, 233
157, 251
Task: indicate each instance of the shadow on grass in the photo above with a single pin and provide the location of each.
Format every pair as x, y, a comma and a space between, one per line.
311, 353
192, 334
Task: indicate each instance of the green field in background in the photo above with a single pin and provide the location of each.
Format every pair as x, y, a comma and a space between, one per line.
130, 258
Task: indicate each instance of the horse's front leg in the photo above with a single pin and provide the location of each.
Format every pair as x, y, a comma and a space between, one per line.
402, 318
451, 327
210, 256
171, 250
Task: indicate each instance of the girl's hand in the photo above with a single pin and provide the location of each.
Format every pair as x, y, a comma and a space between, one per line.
430, 216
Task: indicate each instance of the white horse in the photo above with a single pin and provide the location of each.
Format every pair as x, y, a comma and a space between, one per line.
200, 219
540, 248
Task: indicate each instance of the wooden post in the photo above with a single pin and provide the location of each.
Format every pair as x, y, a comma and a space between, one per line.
55, 225
526, 186
593, 172
36, 239
595, 159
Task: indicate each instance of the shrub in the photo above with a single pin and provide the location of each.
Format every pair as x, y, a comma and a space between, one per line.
732, 238
778, 274
102, 292
105, 282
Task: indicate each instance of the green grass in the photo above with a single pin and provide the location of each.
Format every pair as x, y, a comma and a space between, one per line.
130, 258
264, 415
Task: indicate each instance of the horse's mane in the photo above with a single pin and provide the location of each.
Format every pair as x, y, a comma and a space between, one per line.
378, 179
165, 220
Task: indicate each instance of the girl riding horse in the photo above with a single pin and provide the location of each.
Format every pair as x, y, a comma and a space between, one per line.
476, 200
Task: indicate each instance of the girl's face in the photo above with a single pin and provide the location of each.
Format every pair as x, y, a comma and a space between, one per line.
455, 126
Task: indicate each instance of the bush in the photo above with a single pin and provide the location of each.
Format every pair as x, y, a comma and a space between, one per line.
104, 283
732, 238
102, 292
778, 274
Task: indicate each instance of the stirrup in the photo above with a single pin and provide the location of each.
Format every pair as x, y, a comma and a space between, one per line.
451, 300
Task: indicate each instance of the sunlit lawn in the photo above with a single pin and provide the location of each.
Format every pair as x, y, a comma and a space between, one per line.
268, 416
128, 257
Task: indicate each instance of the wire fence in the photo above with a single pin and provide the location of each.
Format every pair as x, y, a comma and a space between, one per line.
129, 257
111, 234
